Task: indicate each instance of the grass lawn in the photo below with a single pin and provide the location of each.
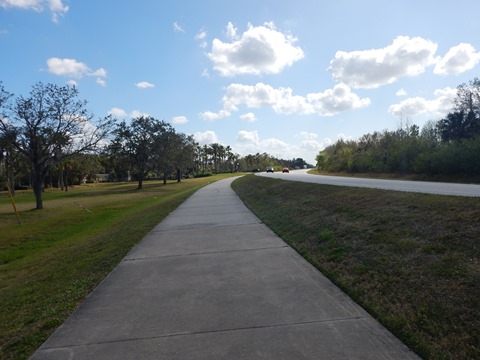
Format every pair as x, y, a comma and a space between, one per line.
411, 260
58, 255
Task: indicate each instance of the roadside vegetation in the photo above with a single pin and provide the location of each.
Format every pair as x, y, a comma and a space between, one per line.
57, 256
445, 149
411, 260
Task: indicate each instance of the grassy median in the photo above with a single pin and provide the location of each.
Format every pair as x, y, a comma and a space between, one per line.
411, 260
57, 256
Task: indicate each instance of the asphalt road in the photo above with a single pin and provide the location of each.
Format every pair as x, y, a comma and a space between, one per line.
397, 185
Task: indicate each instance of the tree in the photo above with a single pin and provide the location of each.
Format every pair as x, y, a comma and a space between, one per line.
168, 150
8, 157
142, 143
215, 151
464, 121
468, 97
51, 125
183, 153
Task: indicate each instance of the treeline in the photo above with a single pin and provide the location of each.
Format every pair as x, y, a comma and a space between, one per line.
447, 147
259, 162
49, 139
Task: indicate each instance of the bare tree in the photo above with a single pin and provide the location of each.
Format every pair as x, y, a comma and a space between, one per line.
51, 125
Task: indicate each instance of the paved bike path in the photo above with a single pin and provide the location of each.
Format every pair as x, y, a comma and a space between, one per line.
212, 282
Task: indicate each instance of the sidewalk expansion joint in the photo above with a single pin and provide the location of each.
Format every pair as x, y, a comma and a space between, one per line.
205, 253
207, 332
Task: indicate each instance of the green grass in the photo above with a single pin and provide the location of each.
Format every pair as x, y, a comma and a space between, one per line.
57, 256
411, 260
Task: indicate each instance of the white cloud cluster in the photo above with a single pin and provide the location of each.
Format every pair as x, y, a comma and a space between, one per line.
248, 117
74, 69
282, 100
265, 50
55, 6
144, 85
121, 113
260, 49
457, 60
206, 137
201, 37
179, 120
440, 105
213, 116
117, 112
405, 57
377, 67
231, 31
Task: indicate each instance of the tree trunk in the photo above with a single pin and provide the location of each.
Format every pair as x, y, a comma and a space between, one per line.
11, 183
60, 179
65, 179
10, 175
179, 175
140, 182
165, 178
37, 190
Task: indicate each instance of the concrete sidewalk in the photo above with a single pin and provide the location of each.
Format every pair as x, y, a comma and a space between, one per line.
212, 282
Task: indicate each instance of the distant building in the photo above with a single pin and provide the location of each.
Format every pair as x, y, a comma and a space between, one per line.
102, 177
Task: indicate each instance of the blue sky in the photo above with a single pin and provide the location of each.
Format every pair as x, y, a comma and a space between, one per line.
283, 77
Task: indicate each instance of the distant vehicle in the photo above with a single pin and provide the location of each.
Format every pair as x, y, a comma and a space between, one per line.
256, 170
270, 169
285, 170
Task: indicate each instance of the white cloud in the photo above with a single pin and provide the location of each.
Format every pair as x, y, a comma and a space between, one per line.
177, 28
260, 49
99, 72
121, 113
373, 68
101, 82
213, 116
75, 69
248, 117
338, 99
144, 85
68, 67
22, 4
282, 100
179, 120
310, 144
206, 137
249, 142
55, 6
401, 92
201, 37
231, 31
250, 137
304, 135
137, 113
117, 112
57, 9
277, 147
457, 60
72, 83
440, 105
